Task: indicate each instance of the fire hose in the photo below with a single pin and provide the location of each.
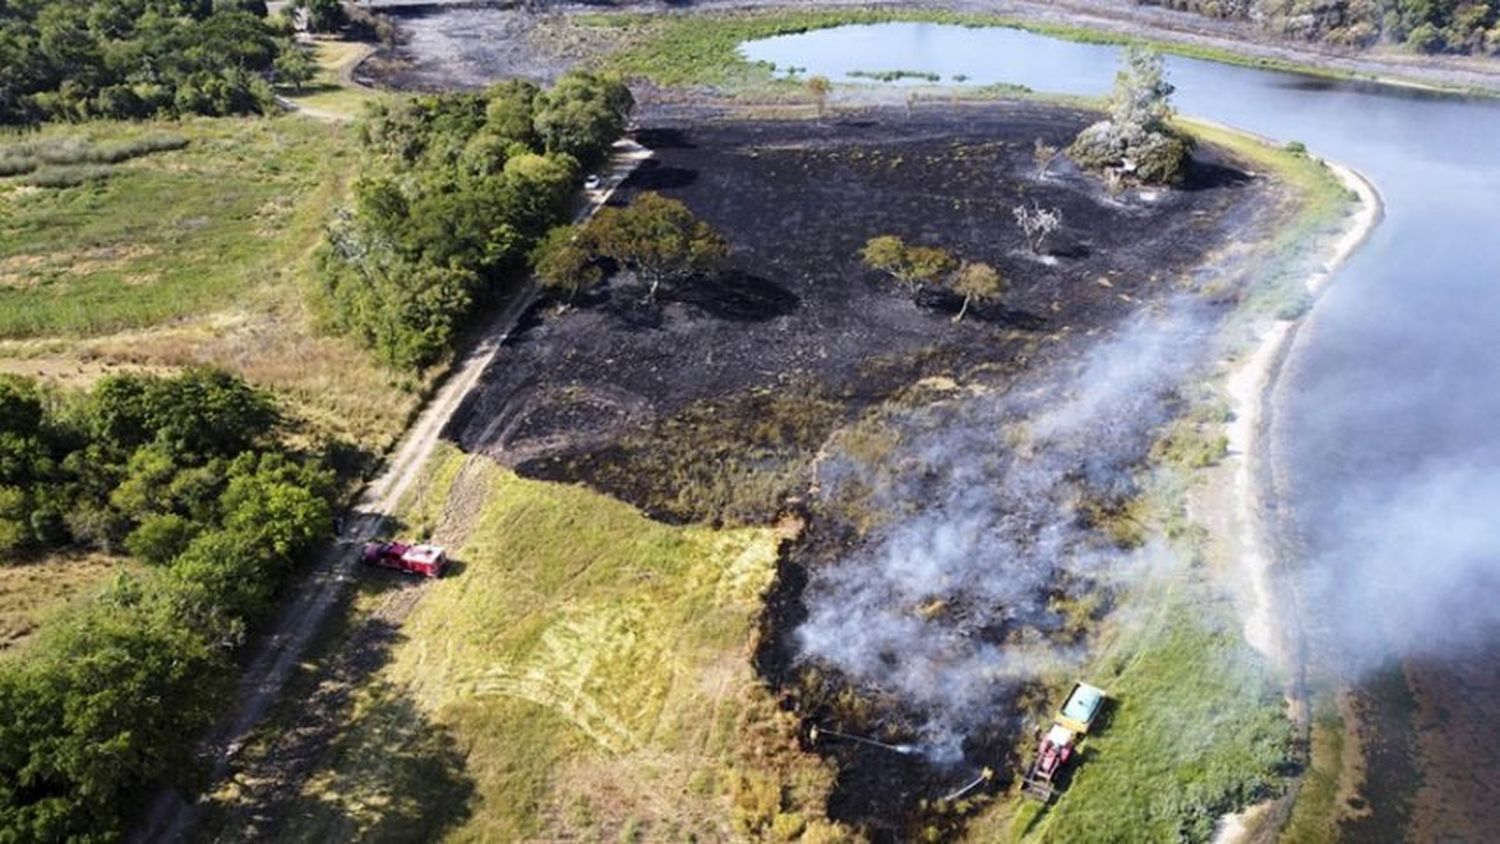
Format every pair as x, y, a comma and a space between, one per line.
903, 749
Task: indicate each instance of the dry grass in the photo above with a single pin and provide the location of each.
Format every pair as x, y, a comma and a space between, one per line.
31, 590
585, 675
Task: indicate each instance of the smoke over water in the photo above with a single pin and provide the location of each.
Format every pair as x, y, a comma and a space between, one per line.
1428, 565
946, 605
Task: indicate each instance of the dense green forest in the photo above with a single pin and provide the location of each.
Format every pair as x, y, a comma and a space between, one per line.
457, 190
74, 59
1428, 26
187, 473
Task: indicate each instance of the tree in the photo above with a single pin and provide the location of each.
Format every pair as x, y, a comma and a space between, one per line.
929, 264
1037, 223
976, 282
910, 266
563, 262
1137, 138
295, 67
323, 15
583, 114
658, 238
819, 87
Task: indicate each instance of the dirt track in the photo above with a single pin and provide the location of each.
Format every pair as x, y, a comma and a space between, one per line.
282, 646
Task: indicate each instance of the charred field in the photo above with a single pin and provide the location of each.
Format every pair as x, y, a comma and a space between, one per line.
799, 382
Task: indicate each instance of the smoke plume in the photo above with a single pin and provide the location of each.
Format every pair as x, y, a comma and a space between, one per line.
945, 606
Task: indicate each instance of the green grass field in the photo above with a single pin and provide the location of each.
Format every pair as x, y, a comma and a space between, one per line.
584, 673
167, 235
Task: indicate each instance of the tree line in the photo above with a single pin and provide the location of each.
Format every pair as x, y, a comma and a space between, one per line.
458, 190
188, 473
1427, 26
74, 60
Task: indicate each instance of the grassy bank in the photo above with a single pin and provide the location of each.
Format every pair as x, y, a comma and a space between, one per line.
1196, 731
583, 674
703, 49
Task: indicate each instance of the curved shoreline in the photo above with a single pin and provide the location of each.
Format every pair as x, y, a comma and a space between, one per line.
1249, 386
1272, 625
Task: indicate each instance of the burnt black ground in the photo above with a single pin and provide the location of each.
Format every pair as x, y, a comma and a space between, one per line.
579, 396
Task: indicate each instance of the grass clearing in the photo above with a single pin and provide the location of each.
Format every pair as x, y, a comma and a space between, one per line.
186, 255
174, 234
583, 674
32, 590
333, 91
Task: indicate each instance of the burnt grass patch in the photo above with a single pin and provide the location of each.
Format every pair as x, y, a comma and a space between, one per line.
713, 404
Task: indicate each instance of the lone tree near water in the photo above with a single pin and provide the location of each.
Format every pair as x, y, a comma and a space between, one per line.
819, 87
976, 282
1137, 139
658, 238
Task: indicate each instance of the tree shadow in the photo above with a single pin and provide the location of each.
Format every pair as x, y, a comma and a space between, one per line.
393, 759
664, 138
652, 175
995, 313
738, 296
1209, 175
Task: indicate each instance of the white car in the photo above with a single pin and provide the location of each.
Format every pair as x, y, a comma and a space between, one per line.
593, 182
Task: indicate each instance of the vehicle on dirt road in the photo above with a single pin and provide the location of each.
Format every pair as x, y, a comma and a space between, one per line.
425, 560
1069, 726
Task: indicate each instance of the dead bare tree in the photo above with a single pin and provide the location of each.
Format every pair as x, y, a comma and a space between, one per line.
1037, 224
1043, 154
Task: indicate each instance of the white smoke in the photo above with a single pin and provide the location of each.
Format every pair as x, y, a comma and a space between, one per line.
945, 605
1427, 554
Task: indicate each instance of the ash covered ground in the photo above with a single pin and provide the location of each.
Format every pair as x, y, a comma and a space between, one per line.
615, 386
953, 476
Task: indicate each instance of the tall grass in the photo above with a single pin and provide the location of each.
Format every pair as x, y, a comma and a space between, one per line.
592, 665
27, 156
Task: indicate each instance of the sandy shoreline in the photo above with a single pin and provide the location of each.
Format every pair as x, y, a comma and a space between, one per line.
1271, 625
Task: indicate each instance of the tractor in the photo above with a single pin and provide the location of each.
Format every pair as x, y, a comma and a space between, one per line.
1069, 726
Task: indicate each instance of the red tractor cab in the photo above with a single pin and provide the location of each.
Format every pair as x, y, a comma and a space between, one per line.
425, 560
1069, 726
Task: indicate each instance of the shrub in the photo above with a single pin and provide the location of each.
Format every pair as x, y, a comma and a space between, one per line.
69, 176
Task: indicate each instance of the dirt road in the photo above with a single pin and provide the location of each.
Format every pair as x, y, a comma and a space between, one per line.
281, 649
